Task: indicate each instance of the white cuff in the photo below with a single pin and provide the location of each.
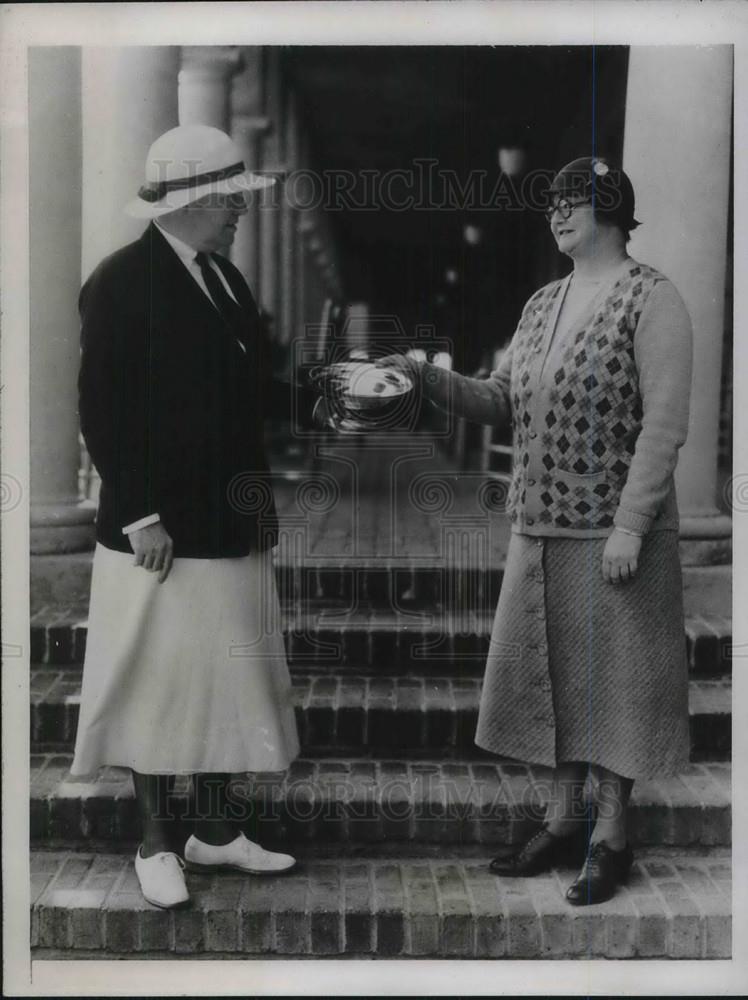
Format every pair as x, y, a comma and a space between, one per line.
627, 531
142, 523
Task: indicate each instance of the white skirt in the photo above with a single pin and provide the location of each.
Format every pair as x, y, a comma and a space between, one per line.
185, 676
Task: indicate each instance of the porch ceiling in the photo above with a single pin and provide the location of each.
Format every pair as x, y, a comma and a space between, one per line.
382, 108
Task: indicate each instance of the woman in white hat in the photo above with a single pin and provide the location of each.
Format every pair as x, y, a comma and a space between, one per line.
185, 669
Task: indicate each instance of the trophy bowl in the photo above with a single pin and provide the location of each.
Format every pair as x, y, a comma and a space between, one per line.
362, 386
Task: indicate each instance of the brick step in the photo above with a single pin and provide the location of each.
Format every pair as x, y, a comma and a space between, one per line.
403, 584
394, 581
676, 905
395, 584
345, 713
326, 636
353, 802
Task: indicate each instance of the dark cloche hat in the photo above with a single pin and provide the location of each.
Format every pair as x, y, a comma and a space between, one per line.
606, 183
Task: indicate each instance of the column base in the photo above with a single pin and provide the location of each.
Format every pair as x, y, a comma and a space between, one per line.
62, 527
705, 539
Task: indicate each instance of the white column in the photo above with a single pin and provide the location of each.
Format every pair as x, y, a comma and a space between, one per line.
270, 201
676, 151
247, 132
248, 126
302, 278
289, 229
322, 270
269, 213
316, 292
59, 523
357, 326
129, 99
204, 84
305, 233
288, 272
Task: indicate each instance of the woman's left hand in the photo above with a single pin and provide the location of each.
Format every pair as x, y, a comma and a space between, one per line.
621, 557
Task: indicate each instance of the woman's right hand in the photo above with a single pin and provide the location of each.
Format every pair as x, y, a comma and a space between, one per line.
154, 549
621, 557
411, 367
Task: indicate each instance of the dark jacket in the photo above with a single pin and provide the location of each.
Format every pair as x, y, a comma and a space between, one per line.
172, 409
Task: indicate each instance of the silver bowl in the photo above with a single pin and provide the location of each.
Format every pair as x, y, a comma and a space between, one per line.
362, 386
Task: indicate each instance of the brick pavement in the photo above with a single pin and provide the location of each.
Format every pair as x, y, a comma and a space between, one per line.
376, 715
389, 570
676, 905
344, 636
360, 801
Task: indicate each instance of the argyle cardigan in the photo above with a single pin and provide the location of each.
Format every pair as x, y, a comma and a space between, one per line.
596, 432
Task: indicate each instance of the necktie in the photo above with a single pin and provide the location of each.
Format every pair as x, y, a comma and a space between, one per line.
230, 311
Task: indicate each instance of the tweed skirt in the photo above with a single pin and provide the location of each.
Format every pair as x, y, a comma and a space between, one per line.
185, 676
583, 670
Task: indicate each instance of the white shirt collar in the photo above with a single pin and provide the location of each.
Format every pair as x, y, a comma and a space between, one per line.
183, 250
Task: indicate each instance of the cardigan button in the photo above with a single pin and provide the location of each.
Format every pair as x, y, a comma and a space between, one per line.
532, 435
531, 520
531, 482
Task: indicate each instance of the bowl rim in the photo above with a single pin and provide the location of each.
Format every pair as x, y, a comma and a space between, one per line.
406, 384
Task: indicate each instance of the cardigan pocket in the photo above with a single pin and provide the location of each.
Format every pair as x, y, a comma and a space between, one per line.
577, 500
586, 479
597, 475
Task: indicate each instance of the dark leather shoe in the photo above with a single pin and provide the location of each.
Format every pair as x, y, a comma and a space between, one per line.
603, 871
540, 853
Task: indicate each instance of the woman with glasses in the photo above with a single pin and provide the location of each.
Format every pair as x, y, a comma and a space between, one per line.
586, 670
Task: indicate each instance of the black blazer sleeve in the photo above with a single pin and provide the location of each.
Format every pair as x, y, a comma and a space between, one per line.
291, 401
280, 400
115, 395
287, 400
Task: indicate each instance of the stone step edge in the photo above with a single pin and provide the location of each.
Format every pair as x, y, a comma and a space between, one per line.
288, 561
61, 640
353, 712
365, 800
675, 906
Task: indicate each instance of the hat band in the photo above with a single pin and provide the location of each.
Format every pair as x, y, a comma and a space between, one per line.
156, 190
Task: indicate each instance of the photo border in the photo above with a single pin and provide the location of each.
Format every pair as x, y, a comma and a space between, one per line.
497, 22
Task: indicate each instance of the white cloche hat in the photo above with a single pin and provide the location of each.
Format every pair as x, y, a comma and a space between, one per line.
185, 164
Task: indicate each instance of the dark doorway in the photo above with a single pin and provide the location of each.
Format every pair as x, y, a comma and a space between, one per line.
411, 137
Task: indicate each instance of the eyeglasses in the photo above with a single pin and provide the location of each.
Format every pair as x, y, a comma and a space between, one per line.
565, 207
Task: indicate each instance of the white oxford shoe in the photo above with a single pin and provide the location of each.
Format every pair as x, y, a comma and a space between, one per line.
240, 855
161, 879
